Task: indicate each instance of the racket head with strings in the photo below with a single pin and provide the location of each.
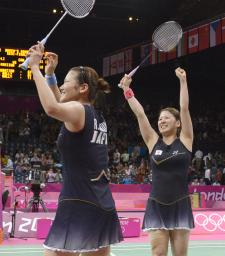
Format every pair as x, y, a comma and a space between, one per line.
78, 8
167, 36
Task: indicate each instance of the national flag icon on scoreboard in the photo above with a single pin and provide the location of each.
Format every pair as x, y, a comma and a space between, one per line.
215, 33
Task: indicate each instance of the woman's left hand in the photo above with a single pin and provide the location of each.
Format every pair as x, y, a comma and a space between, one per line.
181, 74
35, 54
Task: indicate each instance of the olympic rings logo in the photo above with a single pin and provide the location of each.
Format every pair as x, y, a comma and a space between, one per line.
212, 222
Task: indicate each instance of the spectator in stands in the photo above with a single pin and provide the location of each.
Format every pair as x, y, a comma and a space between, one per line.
127, 179
35, 159
218, 176
58, 177
195, 182
116, 157
51, 176
223, 178
139, 177
208, 176
198, 161
9, 163
125, 157
18, 170
202, 182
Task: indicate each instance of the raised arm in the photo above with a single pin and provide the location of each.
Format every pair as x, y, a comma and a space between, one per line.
149, 135
52, 62
70, 112
186, 135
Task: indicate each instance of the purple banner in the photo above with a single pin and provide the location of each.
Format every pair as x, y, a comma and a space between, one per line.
211, 192
14, 104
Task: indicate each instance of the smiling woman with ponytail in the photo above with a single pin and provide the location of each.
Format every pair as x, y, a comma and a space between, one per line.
86, 221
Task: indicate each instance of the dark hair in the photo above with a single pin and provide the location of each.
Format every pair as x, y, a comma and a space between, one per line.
176, 114
97, 85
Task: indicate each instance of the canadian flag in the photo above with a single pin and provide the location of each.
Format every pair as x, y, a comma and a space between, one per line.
193, 40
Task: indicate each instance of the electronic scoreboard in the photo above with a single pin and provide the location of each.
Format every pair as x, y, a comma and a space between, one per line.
10, 60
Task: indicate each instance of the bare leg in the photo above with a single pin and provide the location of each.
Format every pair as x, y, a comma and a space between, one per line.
159, 242
179, 242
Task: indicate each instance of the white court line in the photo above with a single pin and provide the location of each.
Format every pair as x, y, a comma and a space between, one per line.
18, 252
149, 245
119, 247
112, 254
22, 250
205, 246
9, 252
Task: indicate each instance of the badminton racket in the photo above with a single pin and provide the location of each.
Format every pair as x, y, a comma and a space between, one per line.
165, 38
76, 8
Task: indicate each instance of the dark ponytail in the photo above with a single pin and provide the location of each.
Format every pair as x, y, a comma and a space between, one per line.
103, 85
97, 86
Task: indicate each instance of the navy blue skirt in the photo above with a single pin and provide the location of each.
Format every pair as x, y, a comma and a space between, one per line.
81, 226
174, 216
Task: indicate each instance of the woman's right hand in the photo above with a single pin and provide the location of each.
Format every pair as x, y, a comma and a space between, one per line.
52, 62
125, 82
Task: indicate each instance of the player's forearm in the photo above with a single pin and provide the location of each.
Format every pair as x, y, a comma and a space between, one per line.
136, 107
56, 92
184, 96
47, 98
52, 83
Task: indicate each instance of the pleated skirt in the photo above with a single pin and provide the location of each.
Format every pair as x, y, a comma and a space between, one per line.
81, 226
175, 216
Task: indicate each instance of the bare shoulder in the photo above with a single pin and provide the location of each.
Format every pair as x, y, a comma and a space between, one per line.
75, 114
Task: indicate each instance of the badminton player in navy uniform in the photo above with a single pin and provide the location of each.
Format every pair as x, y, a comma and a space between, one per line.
86, 221
168, 215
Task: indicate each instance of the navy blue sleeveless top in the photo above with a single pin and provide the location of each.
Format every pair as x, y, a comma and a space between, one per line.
84, 156
169, 164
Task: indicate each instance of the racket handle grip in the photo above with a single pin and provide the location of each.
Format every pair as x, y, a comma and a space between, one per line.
25, 64
130, 74
133, 71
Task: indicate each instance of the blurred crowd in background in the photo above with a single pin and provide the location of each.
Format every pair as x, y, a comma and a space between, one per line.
29, 151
